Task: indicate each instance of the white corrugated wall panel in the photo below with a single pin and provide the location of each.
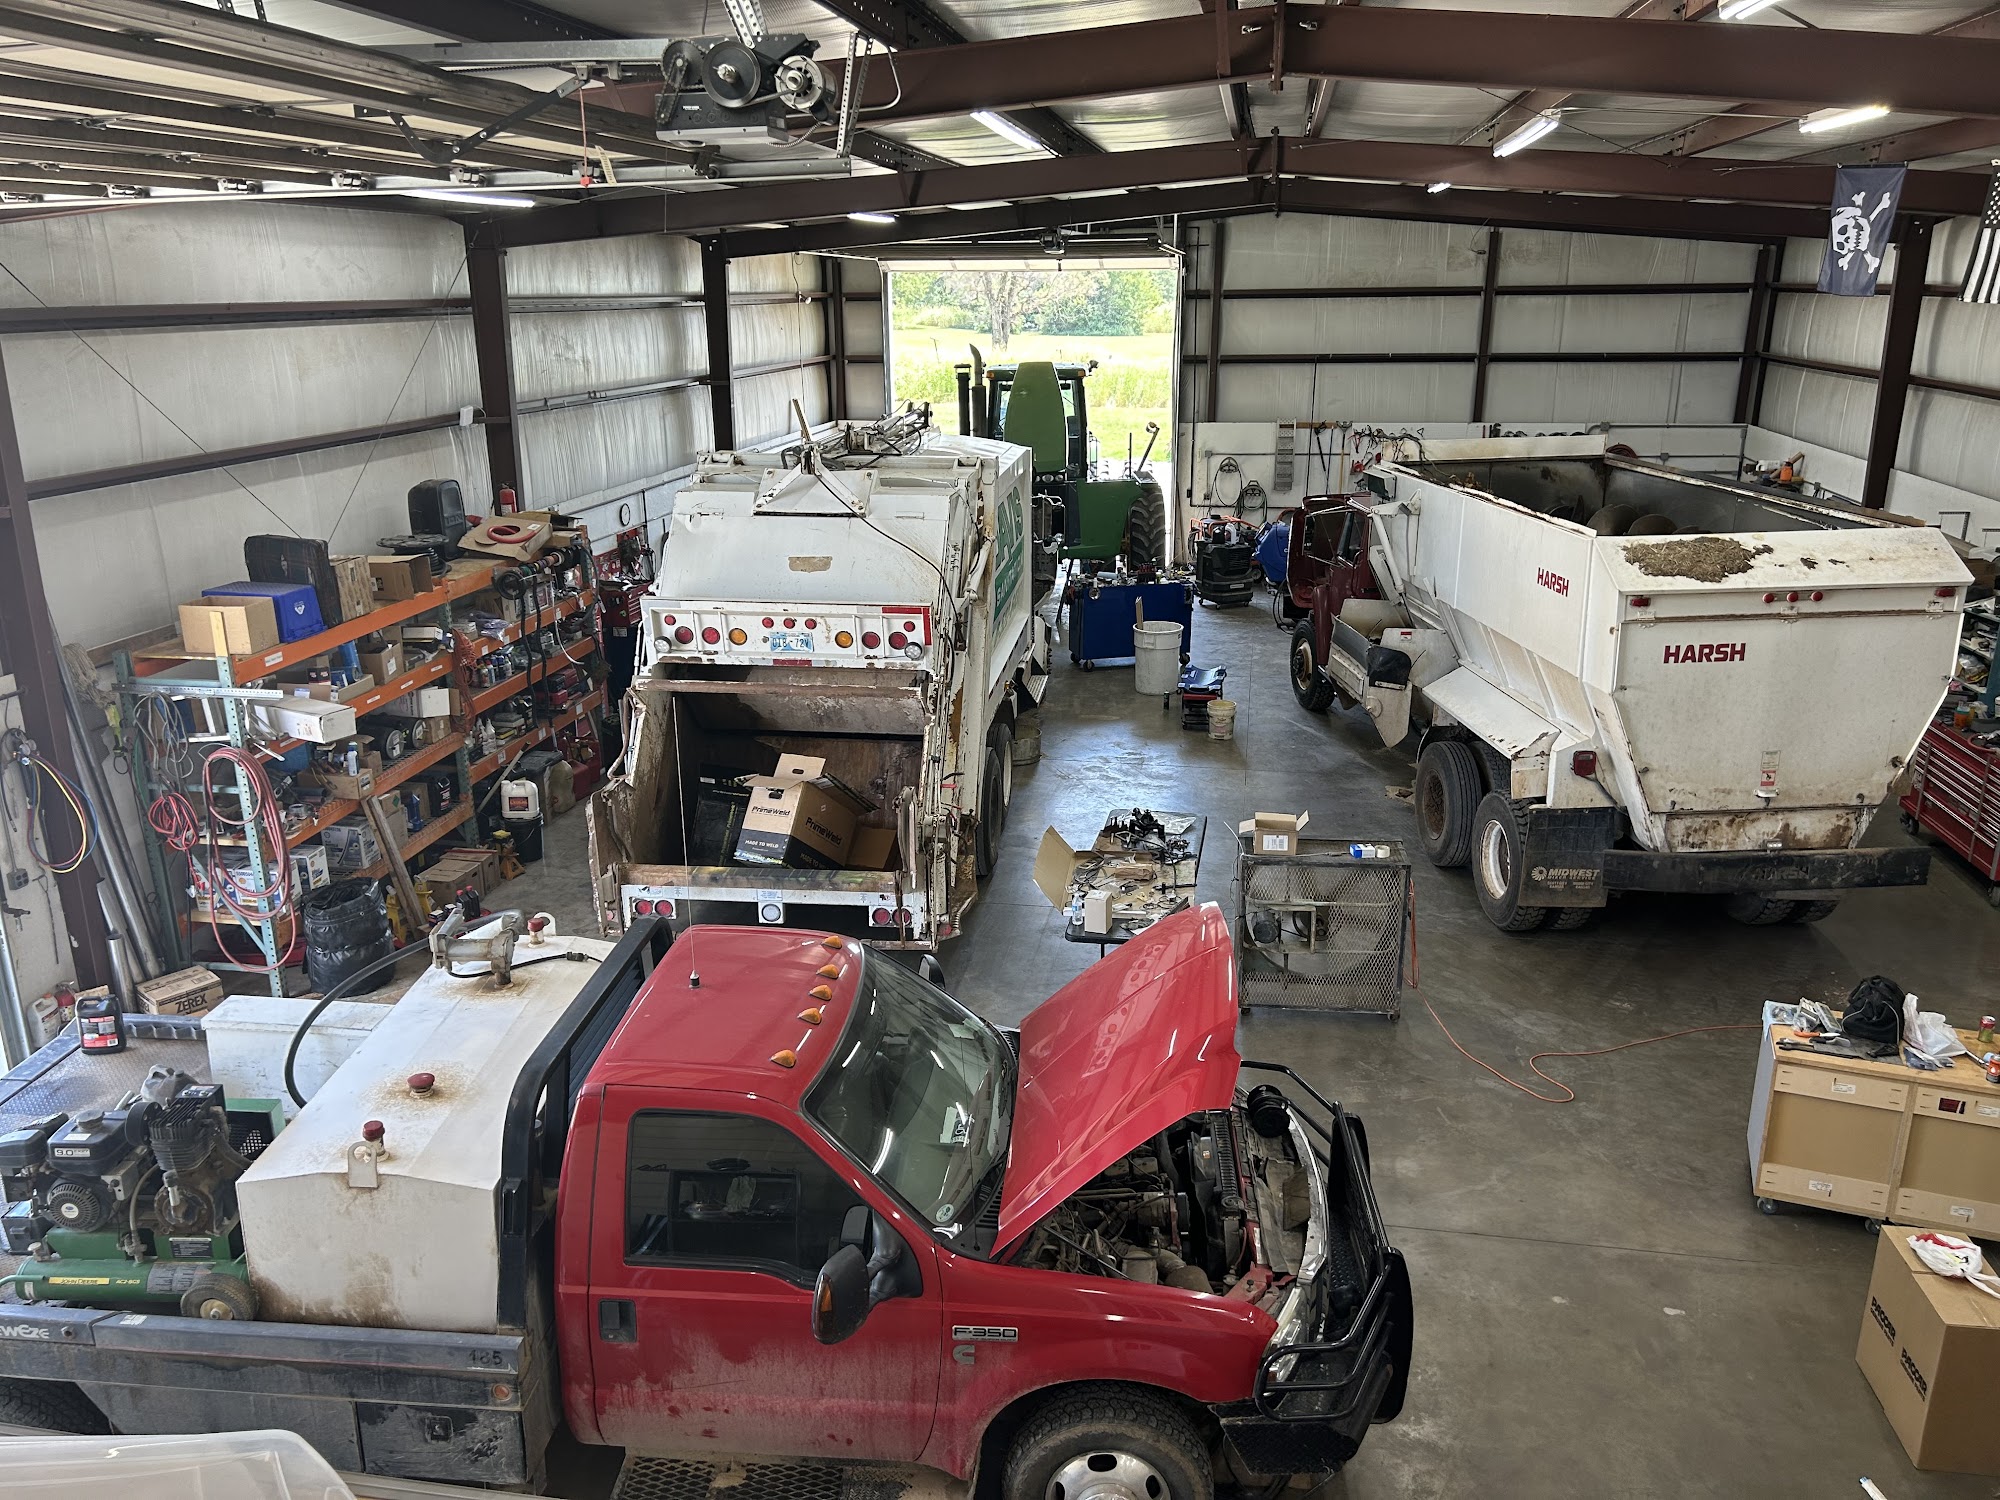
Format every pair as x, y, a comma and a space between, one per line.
1382, 393
1952, 439
116, 561
1840, 330
1829, 410
1709, 322
1627, 393
1350, 325
609, 447
764, 402
1293, 250
629, 265
567, 353
1544, 257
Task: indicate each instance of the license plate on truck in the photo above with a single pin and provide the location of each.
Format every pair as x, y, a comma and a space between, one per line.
791, 642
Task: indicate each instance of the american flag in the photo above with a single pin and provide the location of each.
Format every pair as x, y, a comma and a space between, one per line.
1982, 275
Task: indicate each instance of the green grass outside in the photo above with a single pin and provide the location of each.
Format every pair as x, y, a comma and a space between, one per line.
1132, 385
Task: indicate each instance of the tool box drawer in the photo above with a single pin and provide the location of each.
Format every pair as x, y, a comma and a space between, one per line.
1800, 1185
1945, 1211
1959, 1106
1842, 1088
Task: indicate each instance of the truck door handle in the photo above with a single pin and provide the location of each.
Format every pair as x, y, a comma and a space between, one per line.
617, 1321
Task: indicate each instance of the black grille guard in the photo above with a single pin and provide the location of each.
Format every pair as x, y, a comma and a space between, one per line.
1327, 1379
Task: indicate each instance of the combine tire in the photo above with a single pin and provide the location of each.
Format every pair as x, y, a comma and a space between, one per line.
49, 1406
1754, 910
1446, 796
1500, 836
1312, 689
1108, 1443
1146, 532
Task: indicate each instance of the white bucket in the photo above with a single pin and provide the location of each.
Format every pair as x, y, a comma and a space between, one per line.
1156, 657
1221, 719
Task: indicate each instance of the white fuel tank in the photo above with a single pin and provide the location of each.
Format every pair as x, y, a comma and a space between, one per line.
419, 1249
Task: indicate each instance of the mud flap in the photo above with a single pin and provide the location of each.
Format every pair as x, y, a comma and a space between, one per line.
1779, 873
1565, 854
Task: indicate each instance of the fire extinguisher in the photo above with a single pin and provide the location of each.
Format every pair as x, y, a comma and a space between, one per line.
506, 503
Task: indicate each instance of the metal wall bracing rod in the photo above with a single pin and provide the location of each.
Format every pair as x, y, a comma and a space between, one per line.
1482, 359
27, 649
493, 349
1899, 343
715, 295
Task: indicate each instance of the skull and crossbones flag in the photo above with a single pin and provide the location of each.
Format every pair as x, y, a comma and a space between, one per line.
1982, 272
1864, 207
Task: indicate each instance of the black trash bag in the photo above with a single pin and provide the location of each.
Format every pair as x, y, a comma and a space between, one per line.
346, 928
1875, 1012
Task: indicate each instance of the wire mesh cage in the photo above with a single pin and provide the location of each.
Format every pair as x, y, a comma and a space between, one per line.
1325, 929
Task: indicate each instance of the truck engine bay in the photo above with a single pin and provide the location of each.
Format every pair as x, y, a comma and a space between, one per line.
1228, 1202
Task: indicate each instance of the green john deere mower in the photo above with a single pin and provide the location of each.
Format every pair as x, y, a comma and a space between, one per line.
1079, 513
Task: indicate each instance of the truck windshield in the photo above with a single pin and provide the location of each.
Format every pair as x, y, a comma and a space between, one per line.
922, 1094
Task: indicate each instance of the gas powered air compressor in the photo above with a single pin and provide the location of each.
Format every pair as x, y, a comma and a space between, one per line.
136, 1204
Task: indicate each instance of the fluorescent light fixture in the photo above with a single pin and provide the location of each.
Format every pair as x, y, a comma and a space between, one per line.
1542, 124
1438, 187
479, 200
1001, 126
867, 218
1742, 10
1840, 119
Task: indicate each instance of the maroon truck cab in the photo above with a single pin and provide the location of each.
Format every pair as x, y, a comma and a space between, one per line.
810, 1206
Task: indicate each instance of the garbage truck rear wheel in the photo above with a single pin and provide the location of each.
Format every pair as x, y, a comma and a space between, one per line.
1447, 796
1499, 842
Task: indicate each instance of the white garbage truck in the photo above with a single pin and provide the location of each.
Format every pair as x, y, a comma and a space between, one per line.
849, 616
1627, 678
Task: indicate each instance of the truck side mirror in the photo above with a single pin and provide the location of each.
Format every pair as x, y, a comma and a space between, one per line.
840, 1296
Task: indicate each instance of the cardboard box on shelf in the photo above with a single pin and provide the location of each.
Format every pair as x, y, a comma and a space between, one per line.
312, 719
368, 765
357, 590
228, 627
186, 992
397, 578
1930, 1349
298, 687
1274, 833
310, 869
456, 869
351, 845
296, 605
385, 665
424, 703
799, 816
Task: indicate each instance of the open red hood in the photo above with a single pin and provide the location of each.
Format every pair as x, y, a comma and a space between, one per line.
1132, 1044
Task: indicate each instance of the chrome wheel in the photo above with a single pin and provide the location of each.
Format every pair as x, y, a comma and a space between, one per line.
1496, 868
1107, 1476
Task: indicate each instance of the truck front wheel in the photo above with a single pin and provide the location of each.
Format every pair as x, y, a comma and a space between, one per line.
1309, 686
1107, 1443
1499, 840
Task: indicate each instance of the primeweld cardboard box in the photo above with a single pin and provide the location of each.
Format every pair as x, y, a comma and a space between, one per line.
228, 626
1274, 833
1930, 1347
186, 992
799, 816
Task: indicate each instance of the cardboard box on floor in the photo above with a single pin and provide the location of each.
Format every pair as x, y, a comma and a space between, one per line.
1274, 833
799, 817
1930, 1347
1056, 874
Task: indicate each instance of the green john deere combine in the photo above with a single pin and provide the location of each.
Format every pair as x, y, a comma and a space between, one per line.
1079, 514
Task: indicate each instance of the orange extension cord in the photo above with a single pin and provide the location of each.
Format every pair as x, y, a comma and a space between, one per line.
1568, 1094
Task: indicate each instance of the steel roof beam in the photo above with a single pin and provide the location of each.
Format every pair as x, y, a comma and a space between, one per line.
904, 24
240, 157
1620, 176
81, 93
485, 20
1471, 49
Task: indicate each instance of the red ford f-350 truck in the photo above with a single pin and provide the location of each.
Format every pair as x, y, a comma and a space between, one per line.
768, 1193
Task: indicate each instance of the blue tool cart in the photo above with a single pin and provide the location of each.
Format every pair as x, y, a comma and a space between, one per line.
1101, 612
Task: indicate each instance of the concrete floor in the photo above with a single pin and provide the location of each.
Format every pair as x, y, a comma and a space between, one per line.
1600, 1308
